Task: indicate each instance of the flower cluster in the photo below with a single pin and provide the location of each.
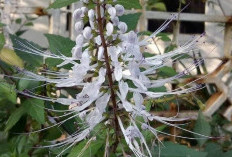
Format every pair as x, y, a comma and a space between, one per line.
105, 58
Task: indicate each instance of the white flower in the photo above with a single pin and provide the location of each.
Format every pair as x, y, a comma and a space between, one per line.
102, 102
77, 14
131, 45
98, 40
91, 14
79, 40
112, 12
100, 53
85, 1
109, 29
79, 26
87, 33
84, 10
115, 20
119, 10
122, 27
138, 98
77, 52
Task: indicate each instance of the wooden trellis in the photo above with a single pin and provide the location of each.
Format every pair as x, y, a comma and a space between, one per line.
58, 20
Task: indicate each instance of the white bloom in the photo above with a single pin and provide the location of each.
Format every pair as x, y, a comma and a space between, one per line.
100, 53
79, 40
117, 71
119, 10
131, 132
98, 40
77, 14
123, 88
138, 98
85, 1
102, 102
131, 45
108, 6
115, 20
91, 14
87, 33
77, 52
112, 12
79, 26
109, 29
84, 10
122, 27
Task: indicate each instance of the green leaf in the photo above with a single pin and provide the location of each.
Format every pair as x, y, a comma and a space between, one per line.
18, 21
148, 33
147, 54
159, 89
2, 41
27, 84
166, 72
61, 3
176, 150
200, 104
14, 118
160, 6
7, 93
9, 57
213, 150
170, 48
148, 105
33, 60
2, 24
35, 108
131, 20
129, 4
227, 154
20, 32
29, 24
202, 127
163, 37
59, 45
92, 149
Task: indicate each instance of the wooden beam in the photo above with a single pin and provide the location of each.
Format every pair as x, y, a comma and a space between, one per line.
159, 15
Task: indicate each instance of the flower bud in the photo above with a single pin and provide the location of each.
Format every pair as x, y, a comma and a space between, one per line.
77, 52
115, 20
77, 14
85, 1
91, 14
91, 23
79, 26
112, 12
109, 29
119, 10
108, 6
87, 33
100, 53
122, 27
79, 40
84, 10
132, 37
98, 40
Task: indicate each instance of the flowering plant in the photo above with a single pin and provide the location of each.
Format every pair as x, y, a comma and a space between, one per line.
112, 79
